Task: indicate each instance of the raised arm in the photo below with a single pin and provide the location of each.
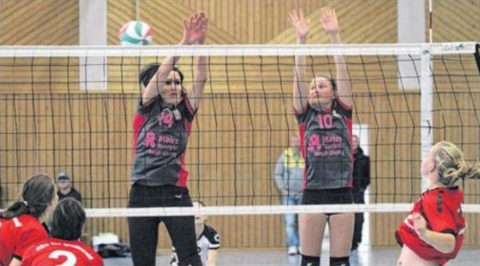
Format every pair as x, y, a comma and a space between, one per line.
329, 21
193, 31
201, 68
300, 87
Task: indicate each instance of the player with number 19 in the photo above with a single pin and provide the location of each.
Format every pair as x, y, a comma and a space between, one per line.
21, 223
64, 248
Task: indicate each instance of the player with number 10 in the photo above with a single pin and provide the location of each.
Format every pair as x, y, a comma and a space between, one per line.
323, 110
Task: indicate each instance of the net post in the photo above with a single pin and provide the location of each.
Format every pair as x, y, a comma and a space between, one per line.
426, 99
477, 56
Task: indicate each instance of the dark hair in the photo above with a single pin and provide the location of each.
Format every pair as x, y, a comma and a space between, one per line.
331, 80
38, 193
68, 219
147, 73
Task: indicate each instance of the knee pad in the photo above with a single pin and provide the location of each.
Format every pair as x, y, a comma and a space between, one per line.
310, 261
341, 261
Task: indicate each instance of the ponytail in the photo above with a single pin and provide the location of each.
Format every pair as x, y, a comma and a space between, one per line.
16, 209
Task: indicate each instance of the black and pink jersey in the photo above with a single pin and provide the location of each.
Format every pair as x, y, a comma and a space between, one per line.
160, 142
325, 136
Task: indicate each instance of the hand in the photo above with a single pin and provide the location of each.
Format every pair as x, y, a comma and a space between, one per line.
301, 25
195, 30
419, 224
328, 19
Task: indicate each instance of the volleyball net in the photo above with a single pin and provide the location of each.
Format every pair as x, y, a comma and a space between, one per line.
70, 109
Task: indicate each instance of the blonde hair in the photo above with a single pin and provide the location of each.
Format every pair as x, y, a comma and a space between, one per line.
451, 164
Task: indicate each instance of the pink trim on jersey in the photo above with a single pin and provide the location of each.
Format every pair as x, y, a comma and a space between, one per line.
303, 150
296, 112
350, 138
138, 122
183, 173
188, 104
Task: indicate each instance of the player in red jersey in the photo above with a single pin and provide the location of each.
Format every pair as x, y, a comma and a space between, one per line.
64, 248
433, 232
21, 223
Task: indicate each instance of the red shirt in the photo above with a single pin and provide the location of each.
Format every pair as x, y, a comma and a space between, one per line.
17, 234
441, 208
56, 251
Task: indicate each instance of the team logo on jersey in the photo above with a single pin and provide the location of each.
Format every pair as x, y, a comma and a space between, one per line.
166, 118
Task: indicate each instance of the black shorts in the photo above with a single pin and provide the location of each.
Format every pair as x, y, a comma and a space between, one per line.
327, 196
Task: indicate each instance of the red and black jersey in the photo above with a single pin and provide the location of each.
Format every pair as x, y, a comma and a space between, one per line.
17, 234
160, 141
326, 145
441, 208
56, 251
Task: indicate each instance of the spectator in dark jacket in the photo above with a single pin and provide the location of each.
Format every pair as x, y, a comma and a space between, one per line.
65, 188
361, 180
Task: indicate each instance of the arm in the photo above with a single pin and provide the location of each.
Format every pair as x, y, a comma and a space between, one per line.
443, 242
300, 88
15, 262
193, 30
344, 86
201, 70
212, 257
279, 173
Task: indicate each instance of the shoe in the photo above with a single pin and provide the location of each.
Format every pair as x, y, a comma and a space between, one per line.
292, 250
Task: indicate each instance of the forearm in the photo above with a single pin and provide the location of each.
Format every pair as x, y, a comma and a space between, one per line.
167, 64
300, 60
299, 80
336, 39
15, 262
201, 69
443, 242
279, 182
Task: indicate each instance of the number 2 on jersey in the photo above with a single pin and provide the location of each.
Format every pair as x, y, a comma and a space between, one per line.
71, 258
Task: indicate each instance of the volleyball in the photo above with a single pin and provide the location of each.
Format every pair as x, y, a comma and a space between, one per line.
135, 33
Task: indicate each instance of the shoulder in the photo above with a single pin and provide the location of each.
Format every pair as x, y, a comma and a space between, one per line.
149, 109
211, 234
187, 108
209, 230
342, 108
31, 223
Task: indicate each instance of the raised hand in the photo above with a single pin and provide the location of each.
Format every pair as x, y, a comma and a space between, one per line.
195, 29
204, 30
328, 19
300, 23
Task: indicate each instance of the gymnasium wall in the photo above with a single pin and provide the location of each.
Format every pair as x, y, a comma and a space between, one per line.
92, 131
